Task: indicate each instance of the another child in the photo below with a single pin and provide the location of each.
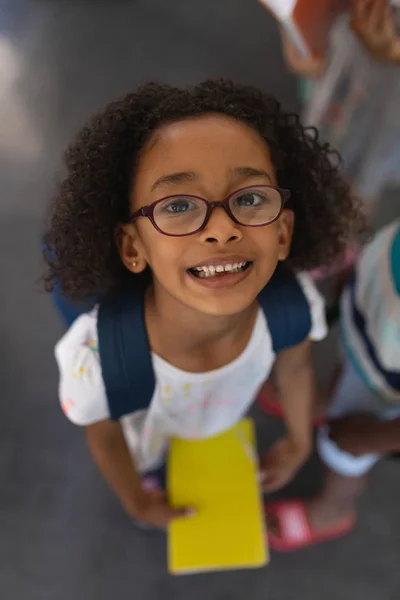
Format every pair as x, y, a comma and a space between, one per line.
364, 416
355, 96
182, 195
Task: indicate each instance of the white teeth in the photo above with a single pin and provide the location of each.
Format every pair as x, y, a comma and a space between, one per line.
211, 270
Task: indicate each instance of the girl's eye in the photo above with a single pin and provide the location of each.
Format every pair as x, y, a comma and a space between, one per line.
251, 199
178, 205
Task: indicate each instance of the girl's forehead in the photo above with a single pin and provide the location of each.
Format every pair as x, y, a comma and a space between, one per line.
212, 140
211, 126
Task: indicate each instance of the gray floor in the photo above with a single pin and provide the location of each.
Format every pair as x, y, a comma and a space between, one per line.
62, 535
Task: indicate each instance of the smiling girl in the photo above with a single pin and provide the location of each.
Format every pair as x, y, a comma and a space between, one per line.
192, 197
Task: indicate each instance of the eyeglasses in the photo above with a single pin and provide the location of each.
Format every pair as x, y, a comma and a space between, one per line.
181, 215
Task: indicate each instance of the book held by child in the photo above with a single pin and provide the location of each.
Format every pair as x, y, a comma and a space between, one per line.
218, 477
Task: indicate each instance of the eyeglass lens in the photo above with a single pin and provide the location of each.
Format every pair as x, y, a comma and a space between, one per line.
181, 215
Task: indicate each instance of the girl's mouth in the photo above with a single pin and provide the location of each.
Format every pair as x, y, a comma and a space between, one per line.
219, 271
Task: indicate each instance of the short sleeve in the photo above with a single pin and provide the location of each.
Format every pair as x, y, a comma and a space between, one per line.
81, 388
319, 328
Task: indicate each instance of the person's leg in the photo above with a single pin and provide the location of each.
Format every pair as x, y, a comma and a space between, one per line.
294, 524
335, 507
346, 475
337, 499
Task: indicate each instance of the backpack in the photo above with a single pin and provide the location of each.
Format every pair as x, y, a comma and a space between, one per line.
124, 349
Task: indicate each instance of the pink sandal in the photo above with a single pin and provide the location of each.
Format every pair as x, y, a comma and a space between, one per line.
295, 529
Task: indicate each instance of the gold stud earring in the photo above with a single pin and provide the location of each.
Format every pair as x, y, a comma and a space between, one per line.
134, 264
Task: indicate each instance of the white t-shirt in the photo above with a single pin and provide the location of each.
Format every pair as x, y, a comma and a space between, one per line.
187, 405
371, 314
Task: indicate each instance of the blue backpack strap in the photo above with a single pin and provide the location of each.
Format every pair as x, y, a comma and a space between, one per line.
286, 309
125, 354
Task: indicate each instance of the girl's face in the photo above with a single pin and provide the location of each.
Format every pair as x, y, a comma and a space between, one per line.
210, 156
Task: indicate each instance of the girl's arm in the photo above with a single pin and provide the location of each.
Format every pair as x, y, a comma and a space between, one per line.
294, 376
84, 401
110, 452
295, 379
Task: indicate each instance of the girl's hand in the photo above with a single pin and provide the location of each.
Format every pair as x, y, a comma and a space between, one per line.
280, 464
372, 22
153, 509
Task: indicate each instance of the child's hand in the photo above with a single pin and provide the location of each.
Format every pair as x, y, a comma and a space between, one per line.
153, 509
305, 66
372, 22
356, 434
280, 464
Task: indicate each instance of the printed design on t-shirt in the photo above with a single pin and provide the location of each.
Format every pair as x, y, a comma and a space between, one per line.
206, 402
92, 344
166, 394
192, 408
189, 393
224, 402
186, 390
66, 405
78, 372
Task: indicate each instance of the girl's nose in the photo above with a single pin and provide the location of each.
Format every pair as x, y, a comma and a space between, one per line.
220, 228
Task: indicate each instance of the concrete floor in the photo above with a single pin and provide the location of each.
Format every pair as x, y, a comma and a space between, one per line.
62, 535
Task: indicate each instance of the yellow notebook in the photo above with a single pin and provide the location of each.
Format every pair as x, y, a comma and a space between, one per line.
217, 477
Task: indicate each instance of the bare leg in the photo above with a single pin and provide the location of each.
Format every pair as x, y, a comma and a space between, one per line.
334, 505
337, 499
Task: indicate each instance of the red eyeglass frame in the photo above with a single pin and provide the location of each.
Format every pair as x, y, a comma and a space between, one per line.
148, 210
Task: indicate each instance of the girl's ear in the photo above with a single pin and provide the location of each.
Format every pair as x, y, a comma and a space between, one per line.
285, 233
130, 248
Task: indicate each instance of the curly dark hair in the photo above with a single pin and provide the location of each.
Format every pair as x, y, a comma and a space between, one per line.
80, 247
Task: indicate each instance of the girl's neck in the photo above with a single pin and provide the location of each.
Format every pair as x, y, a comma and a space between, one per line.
175, 329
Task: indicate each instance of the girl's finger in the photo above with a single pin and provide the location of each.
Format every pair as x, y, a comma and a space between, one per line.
272, 485
262, 477
168, 513
272, 481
